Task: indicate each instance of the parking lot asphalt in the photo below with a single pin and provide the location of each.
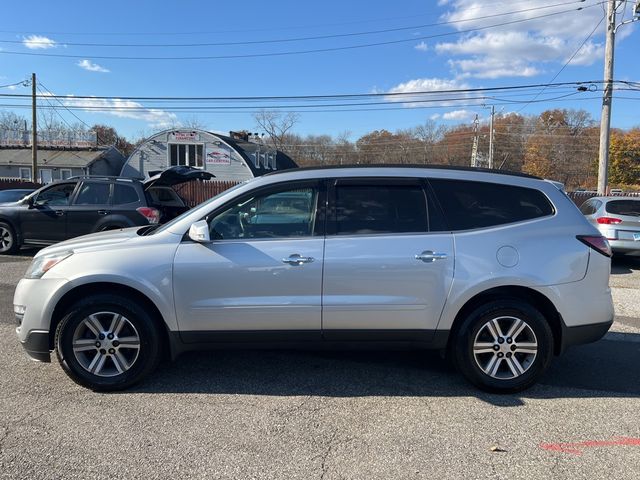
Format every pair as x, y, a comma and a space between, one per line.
326, 415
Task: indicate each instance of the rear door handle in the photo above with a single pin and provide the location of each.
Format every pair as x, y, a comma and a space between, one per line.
429, 256
102, 212
59, 213
296, 259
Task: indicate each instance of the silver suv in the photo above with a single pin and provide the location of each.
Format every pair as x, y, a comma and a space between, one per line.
500, 271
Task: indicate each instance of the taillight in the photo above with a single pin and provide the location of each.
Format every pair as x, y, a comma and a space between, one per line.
597, 242
608, 220
151, 214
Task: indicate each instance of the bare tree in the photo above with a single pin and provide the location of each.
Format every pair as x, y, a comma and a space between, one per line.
12, 121
193, 122
276, 125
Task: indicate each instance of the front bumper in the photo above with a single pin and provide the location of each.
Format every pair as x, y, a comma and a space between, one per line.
582, 334
37, 346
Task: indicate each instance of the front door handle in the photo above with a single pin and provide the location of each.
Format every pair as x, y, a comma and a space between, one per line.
296, 259
429, 256
102, 212
59, 213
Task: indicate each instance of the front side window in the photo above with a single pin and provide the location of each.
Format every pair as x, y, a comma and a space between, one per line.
280, 214
93, 193
186, 154
58, 195
469, 205
380, 208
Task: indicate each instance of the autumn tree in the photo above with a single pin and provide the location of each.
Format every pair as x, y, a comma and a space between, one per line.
624, 158
107, 136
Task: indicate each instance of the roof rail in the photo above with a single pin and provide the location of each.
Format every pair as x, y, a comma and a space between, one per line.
405, 165
102, 177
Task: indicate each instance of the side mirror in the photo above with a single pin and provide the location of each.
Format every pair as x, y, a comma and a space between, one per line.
199, 232
30, 202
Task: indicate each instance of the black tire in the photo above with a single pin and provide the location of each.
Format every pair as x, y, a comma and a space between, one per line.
8, 239
139, 362
474, 327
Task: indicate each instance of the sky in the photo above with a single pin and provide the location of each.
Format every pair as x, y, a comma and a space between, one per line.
293, 48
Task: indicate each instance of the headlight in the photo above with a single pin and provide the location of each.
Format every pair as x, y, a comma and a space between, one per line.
43, 264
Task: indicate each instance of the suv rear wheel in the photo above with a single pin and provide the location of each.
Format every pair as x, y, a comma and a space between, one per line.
107, 342
503, 346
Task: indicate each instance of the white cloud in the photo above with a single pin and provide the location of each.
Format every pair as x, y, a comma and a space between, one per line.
12, 87
92, 67
428, 89
435, 116
459, 115
35, 42
521, 49
155, 117
422, 46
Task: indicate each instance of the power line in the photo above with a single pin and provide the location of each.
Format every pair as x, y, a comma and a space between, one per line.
278, 28
576, 84
567, 62
23, 83
297, 39
300, 52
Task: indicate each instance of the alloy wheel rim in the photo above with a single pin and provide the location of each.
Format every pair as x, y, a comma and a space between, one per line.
5, 239
106, 344
505, 347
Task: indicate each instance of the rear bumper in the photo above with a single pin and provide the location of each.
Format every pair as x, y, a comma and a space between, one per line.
36, 346
582, 334
624, 246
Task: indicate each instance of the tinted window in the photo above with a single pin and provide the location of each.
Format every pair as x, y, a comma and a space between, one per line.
469, 205
93, 194
289, 213
123, 194
57, 195
370, 209
624, 207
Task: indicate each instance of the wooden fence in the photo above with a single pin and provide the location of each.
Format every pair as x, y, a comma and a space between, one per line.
197, 191
580, 197
10, 182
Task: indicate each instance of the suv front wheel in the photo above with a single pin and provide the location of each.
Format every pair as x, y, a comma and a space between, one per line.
503, 346
107, 342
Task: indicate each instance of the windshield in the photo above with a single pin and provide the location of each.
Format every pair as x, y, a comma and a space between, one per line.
624, 207
168, 225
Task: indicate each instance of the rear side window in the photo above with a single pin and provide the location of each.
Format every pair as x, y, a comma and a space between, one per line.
469, 205
123, 194
371, 209
588, 208
624, 207
93, 194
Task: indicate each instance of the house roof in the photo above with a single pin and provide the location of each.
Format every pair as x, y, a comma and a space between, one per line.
244, 148
69, 158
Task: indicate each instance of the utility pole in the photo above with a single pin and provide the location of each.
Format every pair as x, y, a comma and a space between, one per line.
493, 112
605, 118
34, 130
474, 149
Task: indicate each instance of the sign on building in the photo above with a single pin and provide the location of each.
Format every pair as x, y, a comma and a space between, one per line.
218, 155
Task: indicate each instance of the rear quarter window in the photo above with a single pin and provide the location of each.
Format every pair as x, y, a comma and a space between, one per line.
123, 194
469, 205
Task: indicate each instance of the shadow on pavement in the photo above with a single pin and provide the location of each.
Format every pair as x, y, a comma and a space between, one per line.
603, 369
624, 264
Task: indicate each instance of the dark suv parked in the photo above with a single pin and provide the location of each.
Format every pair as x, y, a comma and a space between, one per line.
88, 204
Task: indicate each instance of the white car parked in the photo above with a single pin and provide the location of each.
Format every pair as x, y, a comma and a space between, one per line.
500, 271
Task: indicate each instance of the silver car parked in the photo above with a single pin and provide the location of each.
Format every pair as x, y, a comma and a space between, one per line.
617, 219
500, 271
